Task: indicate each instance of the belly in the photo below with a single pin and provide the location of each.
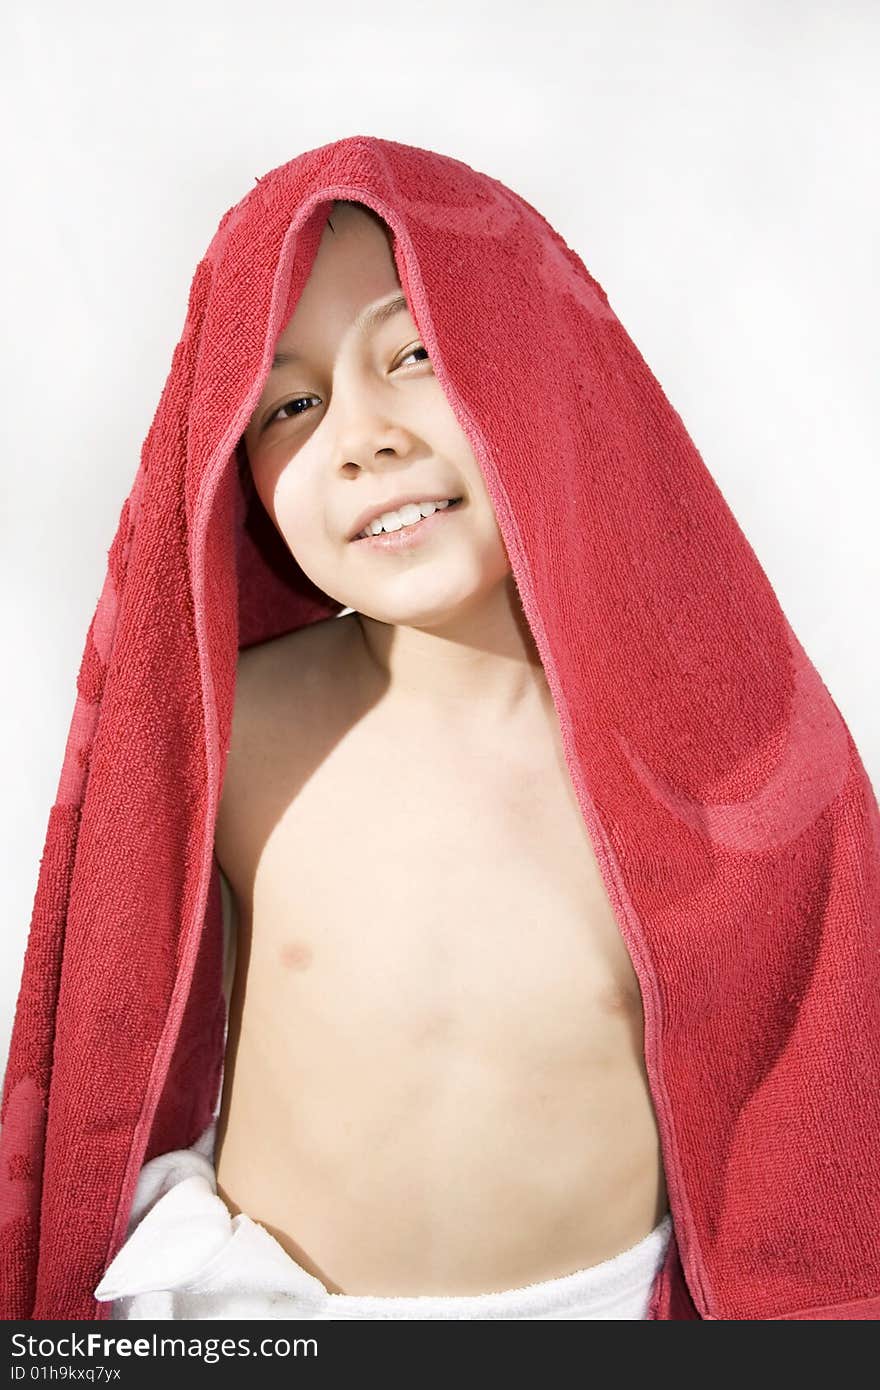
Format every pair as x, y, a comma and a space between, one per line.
436, 1103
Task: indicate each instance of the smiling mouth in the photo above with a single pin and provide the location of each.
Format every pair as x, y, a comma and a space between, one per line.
407, 528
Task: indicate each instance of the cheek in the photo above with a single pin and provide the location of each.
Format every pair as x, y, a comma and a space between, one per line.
454, 444
297, 511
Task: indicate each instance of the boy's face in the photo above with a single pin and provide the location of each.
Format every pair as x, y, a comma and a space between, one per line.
358, 420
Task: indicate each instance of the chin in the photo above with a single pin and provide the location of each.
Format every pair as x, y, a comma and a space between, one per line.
435, 610
430, 594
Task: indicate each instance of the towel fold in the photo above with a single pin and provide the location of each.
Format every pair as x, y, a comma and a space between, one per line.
189, 1258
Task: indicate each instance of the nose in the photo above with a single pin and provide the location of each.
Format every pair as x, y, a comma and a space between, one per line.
370, 442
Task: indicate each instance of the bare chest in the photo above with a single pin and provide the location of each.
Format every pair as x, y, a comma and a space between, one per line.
436, 886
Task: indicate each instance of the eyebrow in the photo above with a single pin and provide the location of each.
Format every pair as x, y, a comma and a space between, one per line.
367, 319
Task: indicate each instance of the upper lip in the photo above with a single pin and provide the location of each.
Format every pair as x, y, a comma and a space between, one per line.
392, 504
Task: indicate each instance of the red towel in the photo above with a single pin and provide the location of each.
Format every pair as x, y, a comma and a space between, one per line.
736, 829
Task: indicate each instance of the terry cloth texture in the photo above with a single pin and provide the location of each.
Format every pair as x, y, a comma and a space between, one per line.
186, 1256
733, 822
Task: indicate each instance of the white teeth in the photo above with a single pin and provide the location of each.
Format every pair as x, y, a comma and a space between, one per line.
407, 515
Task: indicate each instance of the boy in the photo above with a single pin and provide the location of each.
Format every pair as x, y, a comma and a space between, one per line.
434, 1081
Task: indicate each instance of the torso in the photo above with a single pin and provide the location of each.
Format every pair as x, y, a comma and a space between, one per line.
434, 1079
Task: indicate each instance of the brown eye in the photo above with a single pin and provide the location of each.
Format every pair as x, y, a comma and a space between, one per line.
286, 406
418, 348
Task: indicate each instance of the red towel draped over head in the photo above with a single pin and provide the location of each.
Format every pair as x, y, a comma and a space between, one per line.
733, 822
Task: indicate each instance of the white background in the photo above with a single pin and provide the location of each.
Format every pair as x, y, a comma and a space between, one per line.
714, 165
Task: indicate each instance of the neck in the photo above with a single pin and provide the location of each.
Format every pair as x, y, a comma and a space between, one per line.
481, 662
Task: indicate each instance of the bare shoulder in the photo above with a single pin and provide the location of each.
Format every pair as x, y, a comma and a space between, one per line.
289, 682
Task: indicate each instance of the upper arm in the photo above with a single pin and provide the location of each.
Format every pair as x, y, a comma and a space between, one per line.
238, 756
230, 935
